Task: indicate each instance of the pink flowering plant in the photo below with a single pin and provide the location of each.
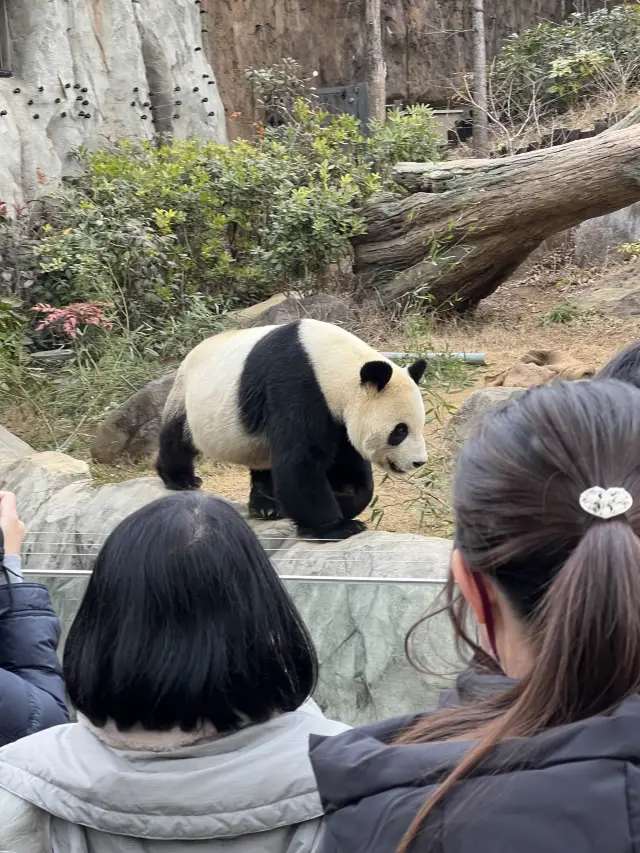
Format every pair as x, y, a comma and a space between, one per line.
74, 319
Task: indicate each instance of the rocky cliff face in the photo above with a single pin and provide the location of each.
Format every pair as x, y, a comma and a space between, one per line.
427, 42
87, 71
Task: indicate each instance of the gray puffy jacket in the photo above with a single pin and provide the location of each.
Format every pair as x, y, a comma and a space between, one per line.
66, 791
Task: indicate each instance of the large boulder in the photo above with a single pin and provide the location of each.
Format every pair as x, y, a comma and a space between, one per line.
616, 292
132, 429
596, 239
11, 445
38, 476
321, 306
370, 590
474, 408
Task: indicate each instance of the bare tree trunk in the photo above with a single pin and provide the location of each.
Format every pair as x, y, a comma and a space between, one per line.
376, 69
480, 105
470, 223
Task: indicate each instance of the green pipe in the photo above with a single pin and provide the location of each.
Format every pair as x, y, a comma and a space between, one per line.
467, 357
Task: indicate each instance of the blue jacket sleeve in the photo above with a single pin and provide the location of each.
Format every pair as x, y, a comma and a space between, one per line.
32, 695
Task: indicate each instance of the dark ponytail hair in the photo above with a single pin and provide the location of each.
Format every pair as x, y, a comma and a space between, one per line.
624, 366
572, 578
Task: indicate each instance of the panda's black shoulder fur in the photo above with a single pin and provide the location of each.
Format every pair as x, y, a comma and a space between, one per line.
319, 478
277, 381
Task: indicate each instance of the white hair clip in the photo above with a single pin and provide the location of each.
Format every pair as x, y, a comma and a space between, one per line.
606, 503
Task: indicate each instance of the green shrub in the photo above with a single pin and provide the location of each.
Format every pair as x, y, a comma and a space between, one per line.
410, 135
142, 229
278, 87
13, 325
554, 66
149, 230
572, 76
174, 236
313, 177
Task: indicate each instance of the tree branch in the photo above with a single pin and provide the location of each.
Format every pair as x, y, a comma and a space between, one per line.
470, 223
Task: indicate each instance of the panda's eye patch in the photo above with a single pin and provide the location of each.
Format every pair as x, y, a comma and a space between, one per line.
398, 435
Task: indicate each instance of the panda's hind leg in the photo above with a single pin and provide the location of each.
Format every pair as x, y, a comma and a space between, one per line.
262, 500
176, 455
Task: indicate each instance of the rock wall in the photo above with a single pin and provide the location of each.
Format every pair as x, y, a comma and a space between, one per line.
426, 42
87, 71
359, 628
595, 239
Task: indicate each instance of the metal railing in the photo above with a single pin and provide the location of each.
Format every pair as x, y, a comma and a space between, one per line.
339, 579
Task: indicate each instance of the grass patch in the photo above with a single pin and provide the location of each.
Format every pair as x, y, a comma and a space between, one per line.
565, 313
120, 472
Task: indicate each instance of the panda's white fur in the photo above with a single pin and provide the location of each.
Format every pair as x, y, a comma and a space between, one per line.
369, 415
308, 408
207, 388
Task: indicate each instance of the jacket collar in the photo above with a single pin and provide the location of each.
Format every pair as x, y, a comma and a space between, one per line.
143, 740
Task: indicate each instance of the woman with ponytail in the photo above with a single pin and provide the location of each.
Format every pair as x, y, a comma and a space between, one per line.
625, 366
547, 559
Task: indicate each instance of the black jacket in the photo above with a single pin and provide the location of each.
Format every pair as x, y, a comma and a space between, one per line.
31, 688
473, 685
574, 789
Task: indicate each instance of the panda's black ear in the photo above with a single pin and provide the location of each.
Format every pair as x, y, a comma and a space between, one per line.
377, 373
417, 369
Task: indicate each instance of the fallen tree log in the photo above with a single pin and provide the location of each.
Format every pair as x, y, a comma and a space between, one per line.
468, 224
629, 120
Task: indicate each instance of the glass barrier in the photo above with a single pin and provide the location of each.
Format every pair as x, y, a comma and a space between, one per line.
359, 627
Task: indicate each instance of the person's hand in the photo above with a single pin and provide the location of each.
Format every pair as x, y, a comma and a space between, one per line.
12, 527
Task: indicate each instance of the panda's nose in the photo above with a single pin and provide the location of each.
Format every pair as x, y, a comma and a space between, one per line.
419, 464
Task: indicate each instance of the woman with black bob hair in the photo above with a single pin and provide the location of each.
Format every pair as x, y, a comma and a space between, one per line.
191, 671
546, 501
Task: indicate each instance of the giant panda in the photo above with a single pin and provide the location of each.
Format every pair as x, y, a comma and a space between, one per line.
307, 407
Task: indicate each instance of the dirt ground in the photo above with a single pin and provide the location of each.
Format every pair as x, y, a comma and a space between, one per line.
508, 324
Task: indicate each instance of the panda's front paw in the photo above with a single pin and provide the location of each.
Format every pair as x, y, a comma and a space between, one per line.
182, 484
336, 532
263, 506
